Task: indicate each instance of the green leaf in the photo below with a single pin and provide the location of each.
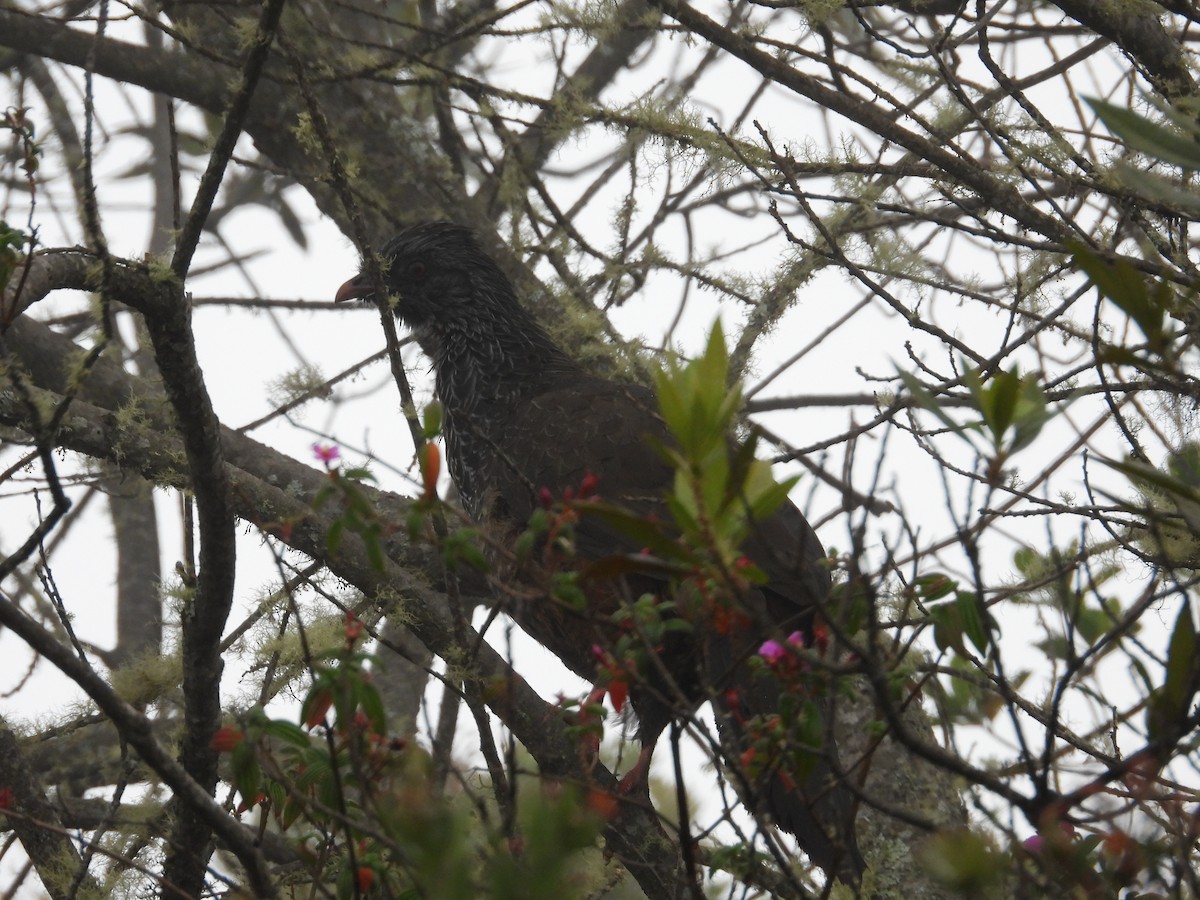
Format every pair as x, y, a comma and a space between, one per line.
682, 503
1120, 356
1054, 647
1031, 415
564, 588
1130, 290
245, 772
695, 400
431, 426
644, 532
764, 495
997, 401
1167, 191
947, 627
1170, 704
974, 619
461, 548
620, 565
1092, 624
670, 400
286, 732
372, 704
963, 616
927, 401
1151, 138
1140, 473
714, 485
374, 547
934, 586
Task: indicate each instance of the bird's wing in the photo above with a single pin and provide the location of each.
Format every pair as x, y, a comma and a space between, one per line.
592, 426
557, 437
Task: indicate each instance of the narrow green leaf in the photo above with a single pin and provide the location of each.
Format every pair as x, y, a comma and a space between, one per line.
621, 565
974, 619
670, 401
962, 860
1169, 705
1125, 286
1182, 664
645, 533
1140, 473
431, 425
1002, 392
1151, 138
372, 704
935, 586
1160, 189
714, 484
927, 401
767, 498
1092, 624
1031, 415
286, 732
245, 772
947, 627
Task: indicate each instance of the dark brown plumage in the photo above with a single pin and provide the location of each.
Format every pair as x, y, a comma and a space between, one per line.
521, 416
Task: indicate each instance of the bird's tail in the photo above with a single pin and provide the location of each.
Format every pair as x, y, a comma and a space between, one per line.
787, 765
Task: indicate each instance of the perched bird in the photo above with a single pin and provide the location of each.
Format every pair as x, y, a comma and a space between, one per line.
520, 419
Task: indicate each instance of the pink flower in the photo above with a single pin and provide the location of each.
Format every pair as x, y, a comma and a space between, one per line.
772, 651
326, 453
796, 639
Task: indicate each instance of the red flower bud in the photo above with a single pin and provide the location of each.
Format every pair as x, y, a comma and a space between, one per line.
602, 803
226, 739
587, 487
365, 877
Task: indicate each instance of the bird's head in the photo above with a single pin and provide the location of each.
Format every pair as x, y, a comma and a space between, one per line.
441, 277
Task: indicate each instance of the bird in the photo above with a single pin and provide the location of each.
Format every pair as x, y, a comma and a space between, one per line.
522, 423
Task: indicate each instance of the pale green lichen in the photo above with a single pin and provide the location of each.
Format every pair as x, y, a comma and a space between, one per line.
178, 597
306, 382
322, 634
60, 874
306, 135
817, 12
160, 271
131, 421
148, 678
246, 32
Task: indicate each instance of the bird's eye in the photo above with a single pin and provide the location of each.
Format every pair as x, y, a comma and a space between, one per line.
415, 271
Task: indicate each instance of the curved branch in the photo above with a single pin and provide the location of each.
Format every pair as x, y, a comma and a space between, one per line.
49, 849
1139, 32
139, 732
